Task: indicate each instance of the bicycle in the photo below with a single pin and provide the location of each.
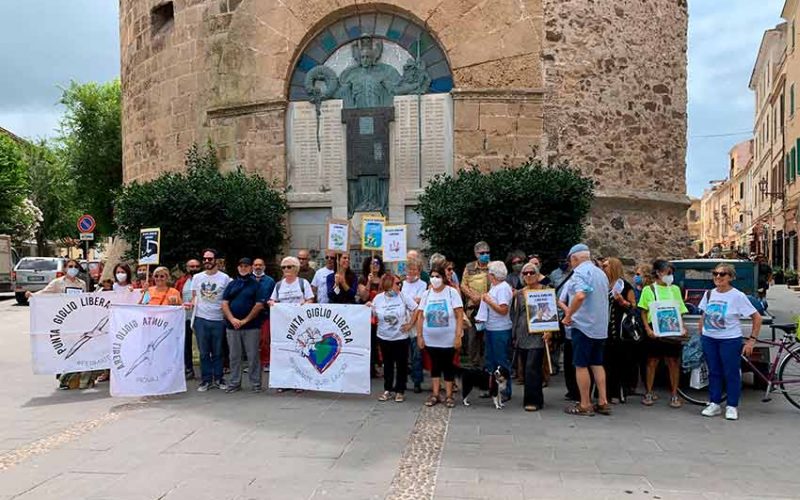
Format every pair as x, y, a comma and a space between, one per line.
783, 375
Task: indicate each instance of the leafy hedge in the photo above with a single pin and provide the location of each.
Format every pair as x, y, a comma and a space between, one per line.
532, 207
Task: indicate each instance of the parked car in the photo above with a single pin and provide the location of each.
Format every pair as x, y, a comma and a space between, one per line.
32, 274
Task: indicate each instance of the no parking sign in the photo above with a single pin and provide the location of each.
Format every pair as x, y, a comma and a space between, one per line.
86, 223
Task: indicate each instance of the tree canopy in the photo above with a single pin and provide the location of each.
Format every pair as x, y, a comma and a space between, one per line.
532, 207
13, 183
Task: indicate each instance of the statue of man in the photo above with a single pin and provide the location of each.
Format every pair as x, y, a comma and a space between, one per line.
368, 83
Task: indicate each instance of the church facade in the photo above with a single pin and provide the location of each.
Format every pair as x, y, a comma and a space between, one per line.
353, 106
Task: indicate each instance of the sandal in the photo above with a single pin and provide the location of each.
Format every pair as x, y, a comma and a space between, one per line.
531, 408
450, 402
648, 399
603, 409
386, 396
399, 397
577, 411
675, 402
433, 400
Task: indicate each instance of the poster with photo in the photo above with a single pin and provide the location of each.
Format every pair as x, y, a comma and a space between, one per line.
372, 233
666, 317
542, 310
395, 243
338, 236
149, 246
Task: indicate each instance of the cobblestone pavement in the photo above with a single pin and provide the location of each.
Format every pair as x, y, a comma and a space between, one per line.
84, 444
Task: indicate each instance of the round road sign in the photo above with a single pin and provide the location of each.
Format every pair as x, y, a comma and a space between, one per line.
86, 223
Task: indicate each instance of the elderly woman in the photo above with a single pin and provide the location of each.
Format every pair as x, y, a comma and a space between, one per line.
342, 283
662, 290
291, 289
530, 347
161, 294
498, 321
439, 330
721, 337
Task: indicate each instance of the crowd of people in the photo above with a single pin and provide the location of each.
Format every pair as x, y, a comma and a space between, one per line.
438, 321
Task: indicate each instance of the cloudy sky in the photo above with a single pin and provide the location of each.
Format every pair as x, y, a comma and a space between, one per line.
47, 43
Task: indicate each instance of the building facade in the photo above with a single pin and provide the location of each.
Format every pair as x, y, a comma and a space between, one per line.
281, 88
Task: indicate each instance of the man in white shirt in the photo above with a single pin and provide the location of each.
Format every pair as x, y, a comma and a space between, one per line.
209, 322
320, 282
413, 288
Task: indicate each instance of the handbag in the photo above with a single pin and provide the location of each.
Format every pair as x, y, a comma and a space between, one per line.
631, 327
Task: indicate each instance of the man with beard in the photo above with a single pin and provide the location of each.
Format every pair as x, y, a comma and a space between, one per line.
209, 322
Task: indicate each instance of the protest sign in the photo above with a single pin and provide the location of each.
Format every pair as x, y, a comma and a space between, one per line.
542, 310
149, 246
320, 347
338, 236
372, 233
395, 246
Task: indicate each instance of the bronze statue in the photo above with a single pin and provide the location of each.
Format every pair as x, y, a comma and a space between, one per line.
368, 83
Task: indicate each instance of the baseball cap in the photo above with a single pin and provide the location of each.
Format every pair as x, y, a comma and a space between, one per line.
246, 261
580, 247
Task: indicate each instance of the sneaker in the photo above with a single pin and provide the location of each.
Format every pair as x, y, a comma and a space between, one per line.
233, 388
203, 387
648, 399
711, 410
731, 413
189, 375
266, 369
220, 384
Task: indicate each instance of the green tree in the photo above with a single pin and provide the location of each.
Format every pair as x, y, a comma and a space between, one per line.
52, 190
91, 137
13, 183
531, 207
236, 213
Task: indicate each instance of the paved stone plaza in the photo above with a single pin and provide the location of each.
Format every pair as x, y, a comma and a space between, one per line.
86, 445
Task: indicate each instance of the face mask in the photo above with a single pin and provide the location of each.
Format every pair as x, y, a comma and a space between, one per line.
637, 280
436, 282
483, 258
72, 272
258, 272
668, 279
516, 267
122, 277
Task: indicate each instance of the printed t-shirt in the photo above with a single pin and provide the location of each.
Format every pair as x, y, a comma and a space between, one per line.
392, 313
502, 295
722, 313
291, 293
208, 289
672, 292
439, 318
320, 282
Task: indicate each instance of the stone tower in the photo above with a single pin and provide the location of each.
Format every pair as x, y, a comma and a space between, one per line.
601, 83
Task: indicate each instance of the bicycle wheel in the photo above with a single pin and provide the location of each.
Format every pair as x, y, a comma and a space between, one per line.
694, 396
789, 369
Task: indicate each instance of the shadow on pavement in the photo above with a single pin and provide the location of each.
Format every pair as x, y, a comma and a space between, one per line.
67, 397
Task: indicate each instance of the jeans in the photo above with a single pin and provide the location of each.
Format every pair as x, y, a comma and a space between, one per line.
498, 352
395, 355
416, 362
248, 341
188, 362
532, 360
723, 359
210, 335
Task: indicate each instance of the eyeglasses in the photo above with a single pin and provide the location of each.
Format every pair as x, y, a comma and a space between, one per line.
287, 267
717, 274
330, 257
449, 269
208, 259
529, 273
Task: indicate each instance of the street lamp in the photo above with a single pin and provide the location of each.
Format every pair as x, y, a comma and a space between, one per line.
763, 186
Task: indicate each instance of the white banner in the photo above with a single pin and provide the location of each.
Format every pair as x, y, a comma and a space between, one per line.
320, 347
69, 333
146, 346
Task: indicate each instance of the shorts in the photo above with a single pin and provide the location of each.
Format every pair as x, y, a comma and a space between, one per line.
586, 351
657, 348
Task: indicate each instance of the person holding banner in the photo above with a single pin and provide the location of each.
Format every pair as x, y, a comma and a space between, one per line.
161, 294
439, 322
531, 346
392, 311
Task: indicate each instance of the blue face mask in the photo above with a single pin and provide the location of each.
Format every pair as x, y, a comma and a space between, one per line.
637, 280
483, 258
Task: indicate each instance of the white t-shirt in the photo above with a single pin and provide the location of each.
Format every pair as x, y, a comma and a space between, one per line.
438, 316
320, 282
392, 313
291, 293
502, 295
414, 291
208, 289
722, 313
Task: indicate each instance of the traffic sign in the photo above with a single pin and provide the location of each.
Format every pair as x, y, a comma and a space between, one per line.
86, 223
87, 236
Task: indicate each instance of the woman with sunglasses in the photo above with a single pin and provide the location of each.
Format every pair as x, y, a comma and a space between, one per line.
721, 336
392, 310
668, 349
161, 294
342, 283
69, 284
292, 289
439, 331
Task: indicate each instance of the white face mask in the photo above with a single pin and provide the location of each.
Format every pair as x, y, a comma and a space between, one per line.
668, 279
122, 277
258, 272
436, 282
72, 272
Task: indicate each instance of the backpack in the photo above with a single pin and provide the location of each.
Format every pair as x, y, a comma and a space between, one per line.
302, 287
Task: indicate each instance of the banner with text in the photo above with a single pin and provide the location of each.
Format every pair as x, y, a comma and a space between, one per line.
69, 332
320, 347
146, 346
